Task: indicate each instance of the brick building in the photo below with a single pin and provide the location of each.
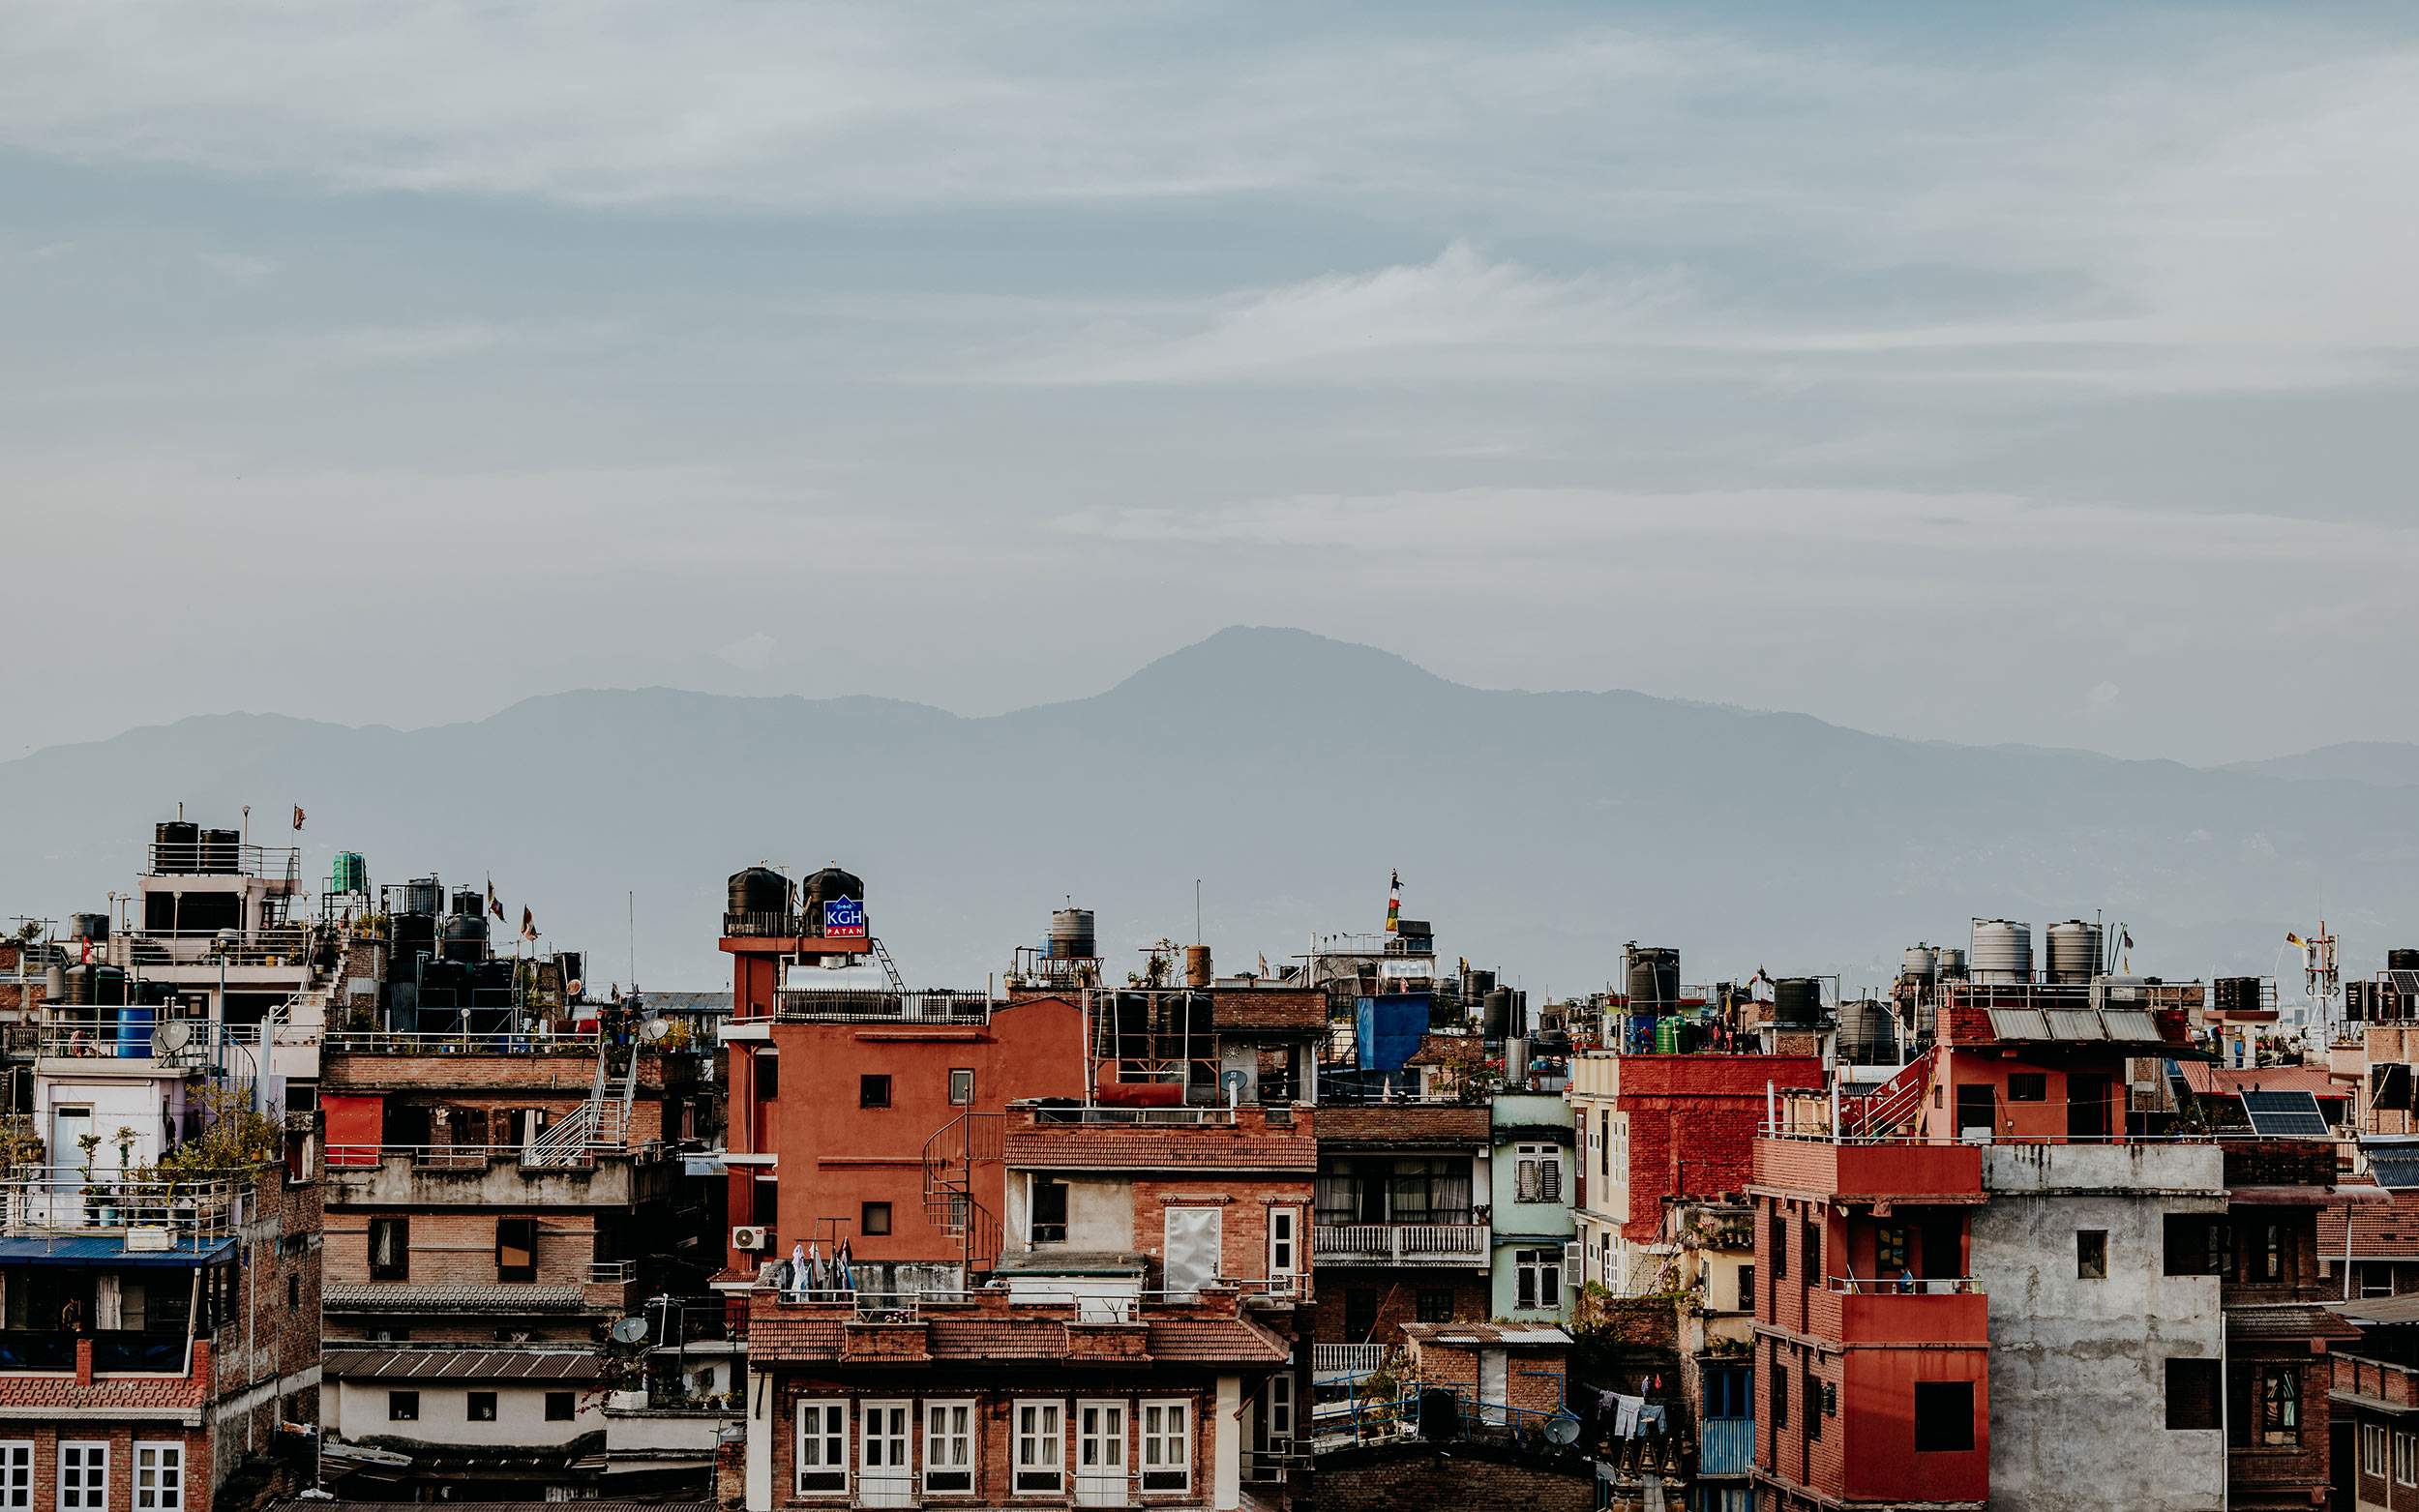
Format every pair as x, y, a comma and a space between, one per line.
161, 1355
1402, 1231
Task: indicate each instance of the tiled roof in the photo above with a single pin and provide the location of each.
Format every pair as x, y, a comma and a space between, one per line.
998, 1337
2380, 1231
1214, 1340
460, 1364
2298, 1321
1447, 1049
393, 1297
502, 1506
798, 1337
1403, 1124
2209, 1081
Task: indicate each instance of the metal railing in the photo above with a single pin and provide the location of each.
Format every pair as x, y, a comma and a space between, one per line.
223, 858
1111, 1115
1346, 1359
606, 1273
460, 1157
395, 1042
904, 1307
1398, 1242
63, 1199
870, 1005
1917, 1286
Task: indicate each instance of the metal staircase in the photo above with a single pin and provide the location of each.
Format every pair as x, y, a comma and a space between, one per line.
602, 1122
951, 1157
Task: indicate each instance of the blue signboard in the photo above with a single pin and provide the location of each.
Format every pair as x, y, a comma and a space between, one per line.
843, 918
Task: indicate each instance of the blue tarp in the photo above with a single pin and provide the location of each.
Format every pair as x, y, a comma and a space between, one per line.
1390, 1026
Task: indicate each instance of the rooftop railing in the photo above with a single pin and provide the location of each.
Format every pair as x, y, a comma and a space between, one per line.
869, 1005
176, 1210
1916, 1286
223, 858
1099, 1114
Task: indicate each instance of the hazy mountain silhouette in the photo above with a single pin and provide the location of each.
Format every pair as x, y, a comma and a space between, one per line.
2381, 764
1290, 773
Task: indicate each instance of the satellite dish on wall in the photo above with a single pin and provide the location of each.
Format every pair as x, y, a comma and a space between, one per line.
1563, 1430
170, 1037
631, 1329
653, 1029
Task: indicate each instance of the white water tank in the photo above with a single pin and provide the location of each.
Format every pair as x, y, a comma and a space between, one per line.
2073, 951
2003, 951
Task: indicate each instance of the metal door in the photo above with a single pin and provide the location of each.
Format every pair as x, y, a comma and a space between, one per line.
884, 1476
1100, 1454
1495, 1385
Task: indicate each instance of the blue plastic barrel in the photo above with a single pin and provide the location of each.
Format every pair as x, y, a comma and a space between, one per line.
135, 1027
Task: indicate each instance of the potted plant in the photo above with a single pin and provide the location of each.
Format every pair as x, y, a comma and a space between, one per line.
90, 1145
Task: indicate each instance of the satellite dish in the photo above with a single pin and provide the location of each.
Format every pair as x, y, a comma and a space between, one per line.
1561, 1430
630, 1330
653, 1029
170, 1037
1235, 1081
574, 987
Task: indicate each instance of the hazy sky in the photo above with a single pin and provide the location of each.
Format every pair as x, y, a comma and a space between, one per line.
2021, 373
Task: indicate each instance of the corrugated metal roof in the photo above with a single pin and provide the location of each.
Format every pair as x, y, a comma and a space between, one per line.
460, 1365
112, 1251
2404, 1309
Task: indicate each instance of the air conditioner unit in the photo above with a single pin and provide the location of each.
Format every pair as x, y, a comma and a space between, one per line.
747, 1239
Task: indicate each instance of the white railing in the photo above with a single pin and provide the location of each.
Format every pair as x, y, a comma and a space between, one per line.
1400, 1242
610, 1272
1346, 1359
61, 1199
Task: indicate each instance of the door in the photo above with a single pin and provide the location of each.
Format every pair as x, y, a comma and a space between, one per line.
1283, 1235
1494, 1385
1191, 1254
1100, 1454
1978, 1112
68, 1126
885, 1477
2086, 1107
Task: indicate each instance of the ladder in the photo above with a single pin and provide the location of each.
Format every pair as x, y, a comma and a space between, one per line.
602, 1122
889, 968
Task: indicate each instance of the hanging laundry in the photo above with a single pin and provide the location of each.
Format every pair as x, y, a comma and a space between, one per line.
1626, 1416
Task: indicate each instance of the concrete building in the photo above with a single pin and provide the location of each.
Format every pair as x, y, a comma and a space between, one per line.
1534, 1261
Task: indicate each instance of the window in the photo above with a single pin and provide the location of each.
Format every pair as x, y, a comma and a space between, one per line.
2196, 1245
1041, 1461
2269, 1263
1813, 1399
1605, 1144
1049, 1212
1540, 1278
1890, 1251
1621, 1149
403, 1406
293, 1293
2192, 1394
561, 1406
1436, 1305
515, 1249
390, 1248
2372, 1449
949, 1446
1810, 1254
16, 1475
1612, 1265
767, 1078
1747, 1289
1283, 1243
873, 1091
2280, 1404
1167, 1446
1944, 1417
2091, 1254
873, 1218
482, 1406
2028, 1087
962, 1087
1780, 1396
823, 1446
2406, 1459
83, 1476
1540, 1174
1729, 1392
1781, 1246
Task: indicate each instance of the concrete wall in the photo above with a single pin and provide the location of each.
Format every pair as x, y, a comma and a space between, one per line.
445, 1412
2078, 1367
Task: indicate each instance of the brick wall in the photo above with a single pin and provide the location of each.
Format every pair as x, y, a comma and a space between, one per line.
1243, 1228
459, 1249
1397, 1297
1533, 1378
1456, 1475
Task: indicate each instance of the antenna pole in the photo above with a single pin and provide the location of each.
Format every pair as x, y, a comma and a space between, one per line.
1196, 910
632, 899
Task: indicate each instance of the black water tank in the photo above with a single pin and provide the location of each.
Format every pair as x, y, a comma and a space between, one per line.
79, 987
826, 884
466, 937
219, 849
1497, 1022
469, 900
2235, 994
414, 933
1654, 978
2401, 960
109, 987
1797, 1000
177, 845
423, 895
759, 889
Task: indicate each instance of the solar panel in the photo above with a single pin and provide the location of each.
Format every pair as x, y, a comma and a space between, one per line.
2283, 1113
2406, 983
2398, 1171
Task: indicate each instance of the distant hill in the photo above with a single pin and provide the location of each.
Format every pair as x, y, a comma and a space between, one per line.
2381, 764
1290, 773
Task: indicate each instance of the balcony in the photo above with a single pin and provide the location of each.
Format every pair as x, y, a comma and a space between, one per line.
155, 1214
1401, 1244
1949, 1311
474, 1175
224, 859
851, 1005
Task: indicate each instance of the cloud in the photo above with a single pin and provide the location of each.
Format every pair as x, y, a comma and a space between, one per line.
750, 653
